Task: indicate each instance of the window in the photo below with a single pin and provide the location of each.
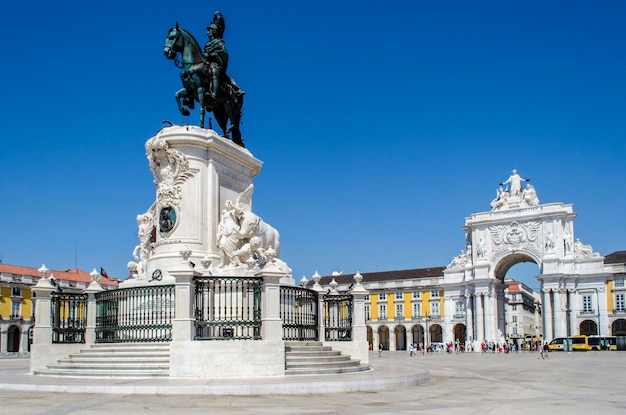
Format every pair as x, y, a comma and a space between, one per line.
16, 292
15, 309
367, 297
515, 330
417, 310
587, 304
619, 282
434, 309
399, 311
434, 293
417, 294
399, 295
514, 307
514, 319
460, 309
619, 302
382, 296
367, 312
382, 312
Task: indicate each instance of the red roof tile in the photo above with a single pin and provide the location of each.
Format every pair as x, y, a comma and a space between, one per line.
72, 274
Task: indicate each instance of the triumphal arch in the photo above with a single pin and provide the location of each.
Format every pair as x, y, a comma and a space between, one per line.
517, 229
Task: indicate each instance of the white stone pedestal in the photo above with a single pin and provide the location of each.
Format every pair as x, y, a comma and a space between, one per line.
196, 171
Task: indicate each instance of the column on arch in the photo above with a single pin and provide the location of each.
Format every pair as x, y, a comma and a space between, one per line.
491, 316
560, 327
480, 318
547, 315
469, 318
392, 338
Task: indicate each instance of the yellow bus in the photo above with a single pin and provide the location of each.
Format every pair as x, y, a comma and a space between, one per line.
580, 343
602, 343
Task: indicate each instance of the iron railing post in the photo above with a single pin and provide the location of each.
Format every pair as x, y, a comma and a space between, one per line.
271, 323
183, 323
91, 291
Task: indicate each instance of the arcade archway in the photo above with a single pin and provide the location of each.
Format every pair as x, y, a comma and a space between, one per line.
588, 328
383, 337
418, 334
13, 339
459, 332
618, 328
435, 333
400, 332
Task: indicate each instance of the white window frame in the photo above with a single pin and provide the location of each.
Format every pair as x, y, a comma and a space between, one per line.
435, 306
400, 311
417, 310
587, 304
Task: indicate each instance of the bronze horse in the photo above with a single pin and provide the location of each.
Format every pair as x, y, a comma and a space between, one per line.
195, 85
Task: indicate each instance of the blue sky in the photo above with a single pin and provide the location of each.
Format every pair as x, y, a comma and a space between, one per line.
381, 125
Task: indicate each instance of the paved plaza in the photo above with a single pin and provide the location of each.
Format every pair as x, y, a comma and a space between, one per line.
567, 383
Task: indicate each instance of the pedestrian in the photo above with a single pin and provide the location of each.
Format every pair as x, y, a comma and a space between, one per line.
380, 349
540, 350
546, 349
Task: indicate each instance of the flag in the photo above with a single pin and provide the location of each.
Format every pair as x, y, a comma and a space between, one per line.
103, 273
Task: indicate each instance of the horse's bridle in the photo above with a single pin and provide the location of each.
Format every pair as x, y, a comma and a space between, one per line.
177, 61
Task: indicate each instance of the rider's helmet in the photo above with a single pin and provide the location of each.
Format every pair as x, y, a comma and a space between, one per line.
218, 26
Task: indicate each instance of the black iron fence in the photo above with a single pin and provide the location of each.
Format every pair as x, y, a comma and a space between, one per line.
68, 316
299, 313
228, 308
338, 317
137, 314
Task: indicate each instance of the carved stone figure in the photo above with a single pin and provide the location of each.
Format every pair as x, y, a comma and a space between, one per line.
501, 198
251, 225
243, 235
142, 252
228, 234
250, 251
515, 183
482, 250
529, 195
584, 251
458, 261
550, 245
567, 243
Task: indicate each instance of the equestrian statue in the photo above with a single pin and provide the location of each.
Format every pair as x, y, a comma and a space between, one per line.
204, 77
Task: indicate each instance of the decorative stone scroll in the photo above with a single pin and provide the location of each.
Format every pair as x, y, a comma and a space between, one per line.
170, 168
515, 236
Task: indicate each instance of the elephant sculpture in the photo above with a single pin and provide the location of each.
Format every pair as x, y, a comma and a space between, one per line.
251, 225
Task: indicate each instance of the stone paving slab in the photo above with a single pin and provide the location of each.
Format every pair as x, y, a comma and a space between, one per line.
567, 383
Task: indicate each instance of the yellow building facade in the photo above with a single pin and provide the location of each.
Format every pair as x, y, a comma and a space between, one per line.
17, 303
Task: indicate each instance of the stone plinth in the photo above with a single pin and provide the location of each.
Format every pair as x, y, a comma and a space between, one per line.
196, 171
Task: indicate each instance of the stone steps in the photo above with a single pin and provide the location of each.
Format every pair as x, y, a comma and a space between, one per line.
132, 360
312, 358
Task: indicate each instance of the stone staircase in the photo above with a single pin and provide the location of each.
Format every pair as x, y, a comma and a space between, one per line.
132, 360
311, 358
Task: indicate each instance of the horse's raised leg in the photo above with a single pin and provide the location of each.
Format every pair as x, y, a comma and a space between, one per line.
200, 93
182, 93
